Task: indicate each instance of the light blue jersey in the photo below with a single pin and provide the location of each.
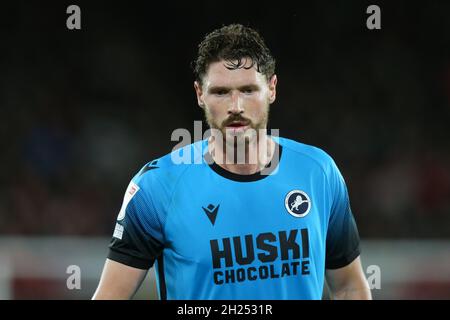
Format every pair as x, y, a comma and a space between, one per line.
219, 235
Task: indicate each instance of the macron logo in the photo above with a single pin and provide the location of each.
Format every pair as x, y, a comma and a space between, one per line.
211, 211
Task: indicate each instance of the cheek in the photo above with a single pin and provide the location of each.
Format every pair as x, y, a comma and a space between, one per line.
216, 110
261, 98
257, 105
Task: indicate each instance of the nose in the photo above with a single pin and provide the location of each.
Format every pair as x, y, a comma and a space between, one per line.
235, 106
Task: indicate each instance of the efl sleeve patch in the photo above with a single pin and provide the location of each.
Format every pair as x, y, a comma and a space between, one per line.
132, 189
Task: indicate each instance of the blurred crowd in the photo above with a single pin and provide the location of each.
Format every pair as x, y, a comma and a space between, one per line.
82, 112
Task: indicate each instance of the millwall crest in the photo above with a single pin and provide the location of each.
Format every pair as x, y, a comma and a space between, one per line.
297, 203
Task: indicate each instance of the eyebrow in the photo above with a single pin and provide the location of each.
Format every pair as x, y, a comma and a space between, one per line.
223, 88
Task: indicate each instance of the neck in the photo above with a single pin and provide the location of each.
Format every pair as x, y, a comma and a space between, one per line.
242, 156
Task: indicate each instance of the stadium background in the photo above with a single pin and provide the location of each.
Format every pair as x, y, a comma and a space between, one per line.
82, 111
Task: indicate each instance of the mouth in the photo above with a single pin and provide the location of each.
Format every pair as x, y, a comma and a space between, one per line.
237, 126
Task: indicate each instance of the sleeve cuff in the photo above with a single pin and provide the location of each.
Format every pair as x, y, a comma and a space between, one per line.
343, 261
130, 260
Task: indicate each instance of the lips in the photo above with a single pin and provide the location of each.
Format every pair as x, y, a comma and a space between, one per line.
237, 127
236, 124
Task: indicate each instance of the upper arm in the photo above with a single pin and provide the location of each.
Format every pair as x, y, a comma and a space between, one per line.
344, 273
342, 242
137, 242
118, 281
138, 236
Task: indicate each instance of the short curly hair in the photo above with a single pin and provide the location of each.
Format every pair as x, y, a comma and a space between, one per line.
234, 43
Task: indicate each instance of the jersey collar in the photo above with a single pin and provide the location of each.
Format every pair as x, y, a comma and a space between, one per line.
270, 167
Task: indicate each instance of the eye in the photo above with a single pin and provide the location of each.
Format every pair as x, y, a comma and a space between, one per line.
249, 90
221, 92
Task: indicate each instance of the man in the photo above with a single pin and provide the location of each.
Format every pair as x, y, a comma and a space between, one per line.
269, 222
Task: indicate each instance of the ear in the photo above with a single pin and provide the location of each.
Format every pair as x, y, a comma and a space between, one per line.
272, 88
199, 93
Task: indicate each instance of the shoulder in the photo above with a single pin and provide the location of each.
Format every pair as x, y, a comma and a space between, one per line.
167, 170
308, 153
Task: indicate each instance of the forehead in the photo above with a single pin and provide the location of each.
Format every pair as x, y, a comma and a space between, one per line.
219, 75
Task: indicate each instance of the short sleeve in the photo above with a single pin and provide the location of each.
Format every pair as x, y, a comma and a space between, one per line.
343, 242
138, 235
